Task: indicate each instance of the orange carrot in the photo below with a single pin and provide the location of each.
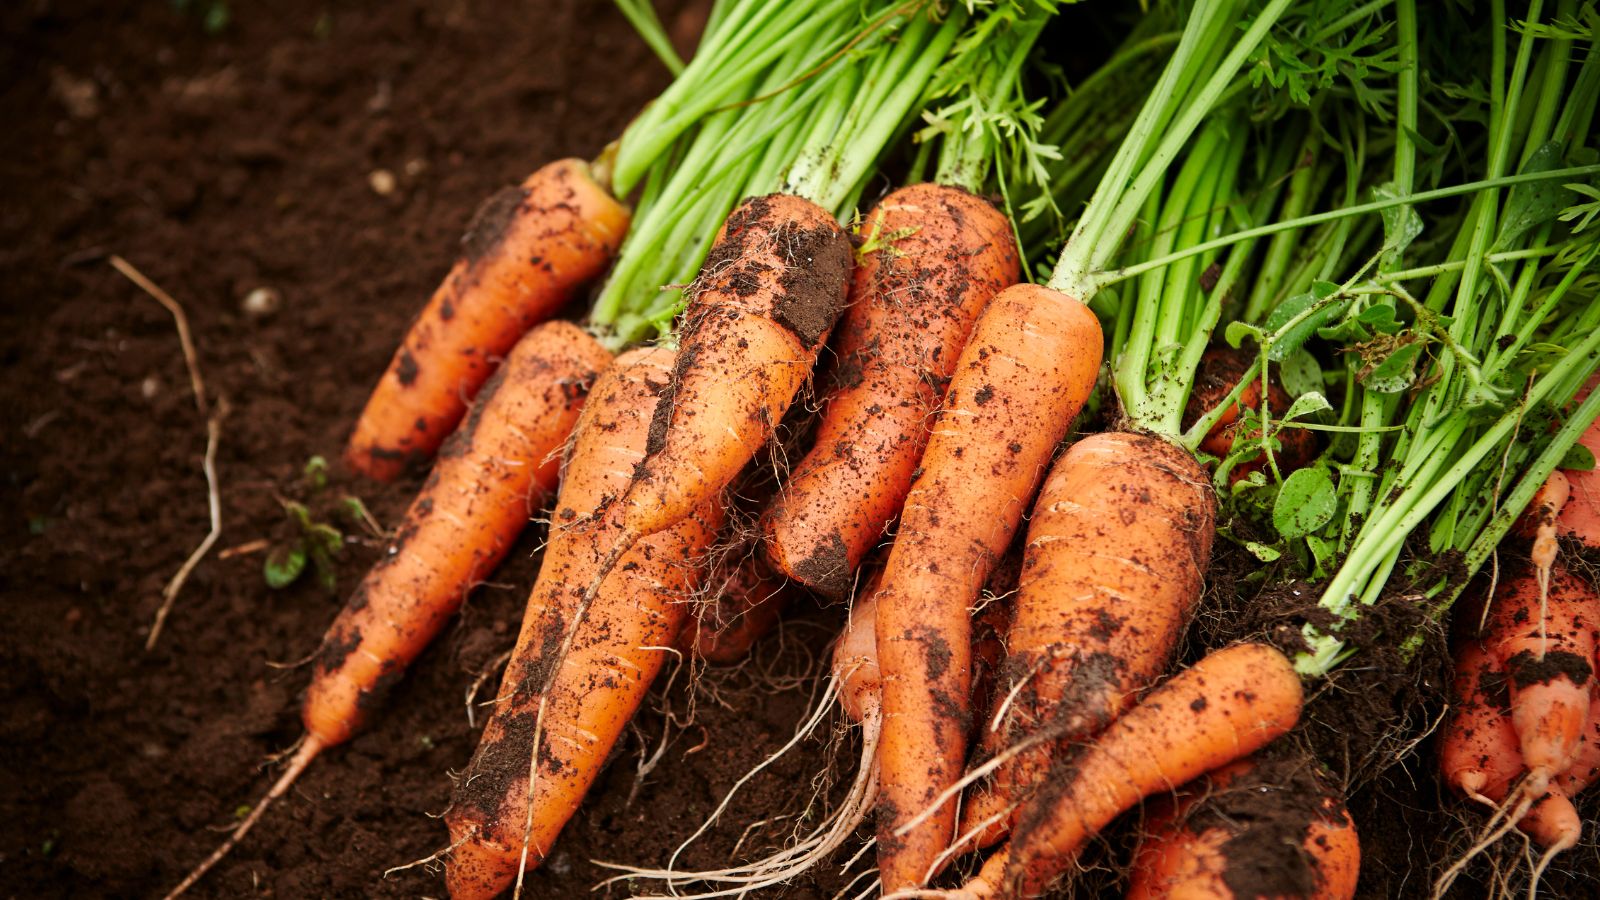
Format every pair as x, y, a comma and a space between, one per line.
1027, 371
1548, 651
1480, 756
767, 297
1256, 828
527, 251
498, 827
1228, 705
1220, 370
1581, 517
743, 603
934, 257
1117, 551
492, 476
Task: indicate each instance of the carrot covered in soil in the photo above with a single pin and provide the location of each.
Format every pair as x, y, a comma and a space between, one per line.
586, 696
1117, 552
768, 295
529, 248
491, 477
1547, 650
1257, 828
1228, 705
934, 256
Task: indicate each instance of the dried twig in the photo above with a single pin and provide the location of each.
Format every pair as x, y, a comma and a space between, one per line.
214, 418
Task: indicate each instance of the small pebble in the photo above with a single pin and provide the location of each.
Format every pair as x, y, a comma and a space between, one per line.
261, 302
382, 182
150, 387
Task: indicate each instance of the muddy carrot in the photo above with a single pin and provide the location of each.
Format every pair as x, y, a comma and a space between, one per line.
1117, 552
496, 828
1547, 648
529, 248
1257, 828
1028, 369
933, 257
1228, 705
491, 477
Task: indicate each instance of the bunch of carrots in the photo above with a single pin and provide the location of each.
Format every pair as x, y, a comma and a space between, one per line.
1411, 312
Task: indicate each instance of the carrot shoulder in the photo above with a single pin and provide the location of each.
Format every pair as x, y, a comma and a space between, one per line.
1027, 371
1117, 553
616, 652
935, 256
528, 249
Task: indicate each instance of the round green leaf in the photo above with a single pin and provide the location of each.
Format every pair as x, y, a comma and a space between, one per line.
1305, 503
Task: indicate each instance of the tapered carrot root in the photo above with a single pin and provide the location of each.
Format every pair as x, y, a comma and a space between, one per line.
492, 476
935, 257
1548, 652
1117, 552
1228, 705
616, 651
743, 604
767, 297
1027, 371
529, 248
496, 471
1249, 830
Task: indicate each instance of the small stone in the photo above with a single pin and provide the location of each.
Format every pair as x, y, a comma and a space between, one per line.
150, 387
382, 182
261, 302
416, 166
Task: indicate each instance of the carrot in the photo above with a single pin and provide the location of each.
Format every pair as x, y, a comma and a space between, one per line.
1581, 517
492, 475
934, 256
1548, 652
1221, 369
743, 605
1256, 828
498, 825
1027, 371
767, 297
528, 249
1117, 551
1539, 524
1480, 756
1228, 705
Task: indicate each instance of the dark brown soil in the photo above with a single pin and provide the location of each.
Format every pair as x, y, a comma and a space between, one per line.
220, 164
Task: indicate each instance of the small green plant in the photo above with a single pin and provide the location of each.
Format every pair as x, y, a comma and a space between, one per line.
314, 544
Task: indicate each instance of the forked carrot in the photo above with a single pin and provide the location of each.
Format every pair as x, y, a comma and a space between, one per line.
1027, 371
499, 826
1251, 829
529, 248
492, 476
933, 257
1117, 552
1546, 644
1228, 705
